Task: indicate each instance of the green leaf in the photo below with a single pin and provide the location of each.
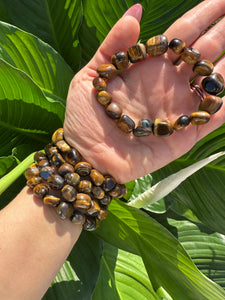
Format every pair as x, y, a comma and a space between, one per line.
6, 163
122, 276
167, 264
55, 22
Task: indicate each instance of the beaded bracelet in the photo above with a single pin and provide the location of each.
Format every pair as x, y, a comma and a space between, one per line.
65, 181
213, 84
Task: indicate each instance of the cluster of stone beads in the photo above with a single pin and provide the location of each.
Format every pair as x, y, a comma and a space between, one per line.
213, 84
65, 181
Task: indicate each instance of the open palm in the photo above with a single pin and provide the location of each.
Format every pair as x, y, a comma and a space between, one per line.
153, 88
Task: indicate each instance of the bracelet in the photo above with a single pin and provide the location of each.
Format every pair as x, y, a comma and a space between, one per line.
64, 180
213, 84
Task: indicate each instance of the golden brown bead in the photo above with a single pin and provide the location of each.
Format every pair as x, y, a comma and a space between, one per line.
177, 45
90, 224
65, 168
83, 168
73, 156
181, 122
65, 210
31, 171
199, 117
57, 160
51, 200
63, 146
34, 181
203, 68
84, 186
114, 111
43, 163
107, 71
98, 192
57, 135
99, 83
102, 214
157, 45
109, 183
120, 60
94, 210
69, 193
190, 56
50, 150
55, 181
162, 128
72, 178
41, 190
46, 172
125, 124
118, 191
106, 200
213, 84
39, 156
96, 177
137, 52
211, 104
78, 218
104, 98
82, 202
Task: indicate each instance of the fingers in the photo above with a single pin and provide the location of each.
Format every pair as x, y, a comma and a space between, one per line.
123, 35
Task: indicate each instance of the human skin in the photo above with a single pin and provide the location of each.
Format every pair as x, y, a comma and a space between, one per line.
34, 242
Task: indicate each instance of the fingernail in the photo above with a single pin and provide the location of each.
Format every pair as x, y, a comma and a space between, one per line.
134, 11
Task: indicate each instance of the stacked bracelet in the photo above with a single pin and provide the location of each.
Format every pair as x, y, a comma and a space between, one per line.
213, 84
65, 181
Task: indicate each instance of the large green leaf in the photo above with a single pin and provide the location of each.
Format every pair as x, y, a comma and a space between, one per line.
55, 22
166, 262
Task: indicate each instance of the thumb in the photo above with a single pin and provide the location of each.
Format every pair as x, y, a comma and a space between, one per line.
123, 35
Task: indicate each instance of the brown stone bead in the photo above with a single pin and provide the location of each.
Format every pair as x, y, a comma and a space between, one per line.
84, 186
55, 181
99, 83
106, 200
98, 192
83, 168
94, 210
65, 168
46, 172
104, 98
203, 68
43, 163
31, 171
120, 60
114, 111
157, 45
72, 179
102, 214
34, 181
41, 190
181, 122
73, 156
137, 52
199, 117
96, 177
51, 200
57, 160
82, 202
125, 124
162, 127
65, 210
118, 191
78, 218
90, 224
57, 135
63, 146
213, 84
190, 56
107, 71
38, 156
69, 193
50, 150
109, 183
211, 104
177, 45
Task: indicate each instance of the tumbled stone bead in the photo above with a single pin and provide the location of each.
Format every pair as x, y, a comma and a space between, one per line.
109, 183
137, 52
78, 218
73, 156
181, 122
72, 178
203, 67
82, 202
83, 168
144, 128
211, 104
50, 150
120, 60
43, 163
213, 84
177, 45
145, 123
125, 124
102, 214
199, 117
118, 191
107, 71
90, 224
63, 146
105, 200
98, 192
65, 210
41, 190
104, 98
94, 210
51, 200
162, 127
99, 83
190, 56
55, 181
38, 156
31, 171
34, 181
114, 111
84, 186
57, 135
57, 160
69, 193
96, 177
65, 168
157, 45
46, 172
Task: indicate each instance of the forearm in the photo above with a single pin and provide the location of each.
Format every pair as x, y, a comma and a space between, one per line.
42, 242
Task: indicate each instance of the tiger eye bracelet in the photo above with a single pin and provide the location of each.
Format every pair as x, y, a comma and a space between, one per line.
65, 181
212, 83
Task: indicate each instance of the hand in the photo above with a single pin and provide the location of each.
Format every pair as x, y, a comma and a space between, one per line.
153, 88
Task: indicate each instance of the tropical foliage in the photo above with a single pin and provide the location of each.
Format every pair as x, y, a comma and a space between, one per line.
172, 249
